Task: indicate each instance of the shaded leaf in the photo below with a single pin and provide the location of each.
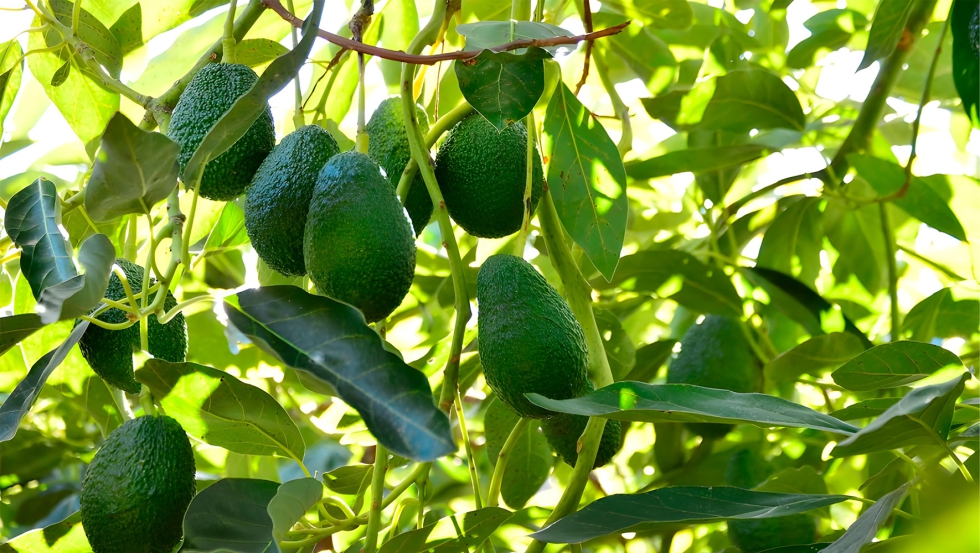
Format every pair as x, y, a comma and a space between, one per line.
796, 234
824, 351
128, 29
965, 23
586, 179
752, 99
221, 410
503, 87
864, 529
477, 526
695, 160
291, 502
616, 343
331, 341
15, 328
530, 460
649, 359
894, 364
865, 409
349, 480
101, 405
31, 220
635, 401
624, 512
254, 52
942, 316
82, 293
231, 515
408, 542
886, 30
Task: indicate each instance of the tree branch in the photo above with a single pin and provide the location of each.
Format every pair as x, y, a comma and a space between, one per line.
587, 21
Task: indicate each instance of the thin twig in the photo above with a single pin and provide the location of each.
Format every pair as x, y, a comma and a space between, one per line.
587, 21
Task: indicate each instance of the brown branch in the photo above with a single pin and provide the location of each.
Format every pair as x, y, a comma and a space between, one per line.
398, 55
587, 21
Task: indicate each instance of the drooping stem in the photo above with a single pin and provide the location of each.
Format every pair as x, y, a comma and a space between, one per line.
886, 231
493, 495
377, 496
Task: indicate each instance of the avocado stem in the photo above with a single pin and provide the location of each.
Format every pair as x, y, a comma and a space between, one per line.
228, 41
493, 495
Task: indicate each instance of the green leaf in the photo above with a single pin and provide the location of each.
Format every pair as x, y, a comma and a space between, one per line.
133, 170
687, 504
662, 14
942, 316
331, 341
865, 409
221, 410
503, 87
254, 52
530, 461
497, 424
886, 30
586, 179
399, 27
291, 502
829, 30
918, 200
101, 405
349, 480
486, 35
752, 99
32, 219
15, 328
103, 44
678, 276
408, 542
695, 160
20, 401
11, 74
795, 235
922, 417
824, 351
128, 29
231, 515
66, 536
616, 343
857, 237
240, 116
649, 359
892, 365
639, 402
477, 526
61, 75
643, 54
965, 23
229, 232
80, 294
866, 527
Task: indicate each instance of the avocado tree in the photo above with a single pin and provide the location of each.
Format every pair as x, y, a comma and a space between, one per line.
484, 275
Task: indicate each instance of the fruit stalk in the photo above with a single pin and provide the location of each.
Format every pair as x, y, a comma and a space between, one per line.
228, 40
439, 127
377, 496
493, 495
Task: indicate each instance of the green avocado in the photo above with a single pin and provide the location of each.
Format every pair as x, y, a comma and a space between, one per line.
716, 354
752, 535
358, 244
138, 487
483, 173
530, 342
110, 352
563, 431
277, 200
211, 93
388, 145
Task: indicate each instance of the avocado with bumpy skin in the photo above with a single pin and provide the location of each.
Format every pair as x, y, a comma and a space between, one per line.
110, 352
563, 431
210, 94
388, 145
530, 342
138, 487
483, 173
277, 201
358, 244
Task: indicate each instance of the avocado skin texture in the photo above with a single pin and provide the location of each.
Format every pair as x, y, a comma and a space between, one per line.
277, 200
388, 145
530, 342
358, 245
483, 173
138, 487
110, 352
752, 535
211, 93
715, 354
563, 431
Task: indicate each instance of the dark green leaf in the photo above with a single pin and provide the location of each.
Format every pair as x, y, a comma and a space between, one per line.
663, 14
331, 341
503, 87
635, 401
61, 75
942, 316
15, 328
101, 405
240, 116
128, 29
679, 276
291, 502
20, 401
695, 160
824, 351
31, 220
586, 179
221, 410
348, 480
408, 542
80, 294
752, 99
886, 30
486, 35
104, 46
922, 417
231, 515
965, 21
864, 529
894, 364
617, 344
865, 409
477, 526
133, 170
795, 235
530, 461
624, 512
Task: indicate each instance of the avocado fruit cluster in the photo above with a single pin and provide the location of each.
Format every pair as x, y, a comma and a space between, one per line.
281, 190
110, 352
388, 146
716, 354
137, 488
482, 173
211, 93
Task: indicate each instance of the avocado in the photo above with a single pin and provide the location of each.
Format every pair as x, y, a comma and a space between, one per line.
110, 352
563, 431
752, 535
483, 173
278, 198
358, 244
388, 145
211, 93
530, 342
716, 354
138, 487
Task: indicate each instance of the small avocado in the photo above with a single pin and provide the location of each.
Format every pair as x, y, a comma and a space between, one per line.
277, 201
358, 245
388, 145
483, 174
138, 487
563, 431
211, 93
110, 352
530, 342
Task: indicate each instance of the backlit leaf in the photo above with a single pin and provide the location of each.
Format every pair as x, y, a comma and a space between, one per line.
894, 364
824, 351
886, 30
231, 515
